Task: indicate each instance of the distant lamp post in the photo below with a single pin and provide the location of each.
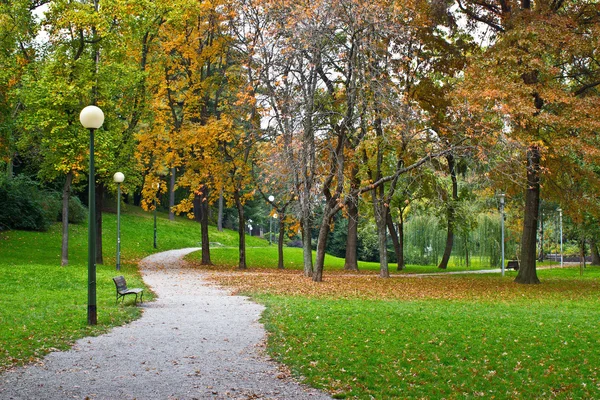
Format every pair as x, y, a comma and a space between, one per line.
157, 187
271, 199
92, 118
561, 235
250, 226
502, 229
118, 178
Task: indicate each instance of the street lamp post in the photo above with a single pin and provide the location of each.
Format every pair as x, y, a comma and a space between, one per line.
271, 199
561, 235
502, 229
92, 118
119, 178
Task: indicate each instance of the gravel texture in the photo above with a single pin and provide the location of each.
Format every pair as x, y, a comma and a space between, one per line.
194, 342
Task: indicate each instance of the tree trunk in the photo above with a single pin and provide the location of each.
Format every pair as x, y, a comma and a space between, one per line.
393, 234
99, 206
449, 244
384, 271
241, 230
380, 211
280, 241
351, 261
307, 245
220, 216
172, 194
201, 216
65, 219
595, 253
204, 231
450, 212
527, 269
321, 246
541, 254
400, 255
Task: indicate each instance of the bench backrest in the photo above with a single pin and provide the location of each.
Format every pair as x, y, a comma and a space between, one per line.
120, 283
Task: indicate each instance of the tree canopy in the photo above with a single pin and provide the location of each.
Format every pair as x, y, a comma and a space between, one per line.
341, 109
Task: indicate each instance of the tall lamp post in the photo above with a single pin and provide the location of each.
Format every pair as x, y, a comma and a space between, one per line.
271, 199
92, 118
119, 178
561, 235
155, 186
502, 229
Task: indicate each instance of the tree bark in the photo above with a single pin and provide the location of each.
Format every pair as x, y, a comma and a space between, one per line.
381, 211
204, 232
449, 240
220, 215
307, 167
66, 195
321, 246
201, 216
450, 212
99, 206
172, 194
380, 206
384, 271
527, 269
307, 245
393, 234
241, 230
351, 260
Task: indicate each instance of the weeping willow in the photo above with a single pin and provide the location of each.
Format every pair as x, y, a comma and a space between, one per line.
425, 238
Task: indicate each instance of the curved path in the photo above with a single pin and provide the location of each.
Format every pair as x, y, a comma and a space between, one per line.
194, 342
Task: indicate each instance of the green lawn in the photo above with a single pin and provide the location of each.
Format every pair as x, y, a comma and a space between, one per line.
439, 349
491, 338
43, 306
467, 336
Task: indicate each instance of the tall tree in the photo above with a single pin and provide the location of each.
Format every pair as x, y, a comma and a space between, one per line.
537, 70
70, 74
204, 114
18, 51
52, 95
287, 41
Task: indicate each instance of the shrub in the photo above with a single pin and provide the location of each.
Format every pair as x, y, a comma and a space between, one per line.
77, 211
25, 206
295, 243
368, 246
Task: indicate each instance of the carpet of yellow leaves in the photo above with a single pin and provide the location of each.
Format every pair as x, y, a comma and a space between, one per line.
340, 285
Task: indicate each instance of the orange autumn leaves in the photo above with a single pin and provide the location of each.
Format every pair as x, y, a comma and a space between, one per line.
368, 286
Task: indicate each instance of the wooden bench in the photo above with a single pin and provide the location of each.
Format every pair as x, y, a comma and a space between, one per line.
123, 290
513, 264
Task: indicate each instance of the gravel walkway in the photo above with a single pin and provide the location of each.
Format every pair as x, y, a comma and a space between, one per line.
194, 342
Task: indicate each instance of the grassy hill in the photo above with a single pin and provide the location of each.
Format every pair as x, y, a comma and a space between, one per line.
43, 306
